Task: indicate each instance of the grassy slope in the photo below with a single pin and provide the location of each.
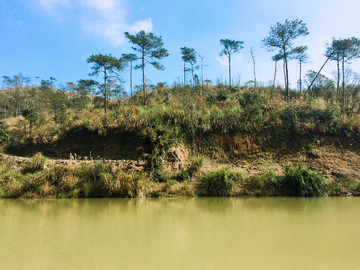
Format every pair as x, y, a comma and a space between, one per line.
252, 131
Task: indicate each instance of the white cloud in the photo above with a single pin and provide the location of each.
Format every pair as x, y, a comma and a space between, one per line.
48, 4
236, 60
102, 5
107, 18
223, 60
145, 25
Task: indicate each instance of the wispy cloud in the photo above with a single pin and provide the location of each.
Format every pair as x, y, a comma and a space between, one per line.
224, 62
108, 18
236, 60
49, 4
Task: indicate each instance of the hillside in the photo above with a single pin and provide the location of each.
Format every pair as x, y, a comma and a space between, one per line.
250, 130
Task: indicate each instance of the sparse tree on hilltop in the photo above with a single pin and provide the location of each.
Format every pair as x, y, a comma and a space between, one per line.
230, 47
276, 58
188, 56
130, 58
343, 50
281, 37
110, 66
302, 57
150, 47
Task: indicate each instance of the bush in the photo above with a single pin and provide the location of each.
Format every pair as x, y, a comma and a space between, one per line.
300, 181
34, 164
344, 184
122, 184
249, 99
11, 183
219, 183
195, 165
182, 176
262, 185
92, 172
4, 132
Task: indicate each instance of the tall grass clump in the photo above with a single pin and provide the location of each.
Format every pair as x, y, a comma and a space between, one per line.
193, 170
34, 164
300, 181
11, 183
265, 184
343, 185
219, 183
195, 166
4, 132
92, 172
122, 184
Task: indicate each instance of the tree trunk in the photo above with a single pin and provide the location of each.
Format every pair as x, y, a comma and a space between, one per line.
287, 76
184, 73
131, 89
202, 73
253, 58
143, 70
105, 89
300, 76
284, 73
318, 73
192, 74
275, 74
229, 70
343, 82
338, 78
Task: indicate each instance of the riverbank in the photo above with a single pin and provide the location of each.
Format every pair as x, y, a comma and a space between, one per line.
186, 141
40, 177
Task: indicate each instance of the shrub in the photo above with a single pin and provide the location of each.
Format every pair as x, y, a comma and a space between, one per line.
34, 164
300, 181
262, 185
122, 184
11, 183
344, 184
222, 96
4, 132
249, 99
182, 176
92, 172
219, 183
195, 165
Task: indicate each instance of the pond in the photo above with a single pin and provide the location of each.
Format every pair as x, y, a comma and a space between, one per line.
181, 233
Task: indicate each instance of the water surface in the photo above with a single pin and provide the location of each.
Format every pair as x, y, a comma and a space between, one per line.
197, 233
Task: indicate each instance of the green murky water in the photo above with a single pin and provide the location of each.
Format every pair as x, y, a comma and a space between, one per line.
199, 233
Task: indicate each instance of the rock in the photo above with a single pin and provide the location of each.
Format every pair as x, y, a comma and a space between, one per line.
313, 154
179, 154
141, 163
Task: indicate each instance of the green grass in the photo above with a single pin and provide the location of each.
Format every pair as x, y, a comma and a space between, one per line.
195, 117
300, 181
34, 164
100, 180
219, 183
265, 184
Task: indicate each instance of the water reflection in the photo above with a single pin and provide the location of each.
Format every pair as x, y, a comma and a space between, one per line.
196, 233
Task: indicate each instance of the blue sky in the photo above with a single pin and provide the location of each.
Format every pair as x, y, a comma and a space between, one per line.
53, 38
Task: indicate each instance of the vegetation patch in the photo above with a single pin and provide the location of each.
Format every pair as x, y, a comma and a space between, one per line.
219, 182
300, 181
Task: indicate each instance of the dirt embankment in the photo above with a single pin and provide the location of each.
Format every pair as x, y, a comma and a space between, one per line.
330, 160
